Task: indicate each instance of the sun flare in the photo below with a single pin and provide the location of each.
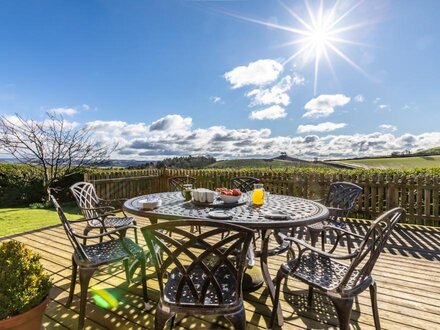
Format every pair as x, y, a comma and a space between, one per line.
319, 35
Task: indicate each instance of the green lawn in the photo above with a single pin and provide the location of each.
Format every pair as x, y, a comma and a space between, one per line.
398, 162
18, 220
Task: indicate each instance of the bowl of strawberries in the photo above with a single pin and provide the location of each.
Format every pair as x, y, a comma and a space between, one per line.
229, 196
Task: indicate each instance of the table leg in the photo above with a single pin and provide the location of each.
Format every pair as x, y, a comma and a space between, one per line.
265, 236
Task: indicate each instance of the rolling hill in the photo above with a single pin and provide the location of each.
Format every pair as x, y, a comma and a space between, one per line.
261, 163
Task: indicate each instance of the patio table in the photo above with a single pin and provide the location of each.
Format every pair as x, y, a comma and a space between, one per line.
301, 212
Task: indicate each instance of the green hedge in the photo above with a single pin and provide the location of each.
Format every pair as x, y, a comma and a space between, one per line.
21, 185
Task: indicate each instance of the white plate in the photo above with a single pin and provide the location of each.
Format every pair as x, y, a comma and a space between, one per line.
276, 215
220, 215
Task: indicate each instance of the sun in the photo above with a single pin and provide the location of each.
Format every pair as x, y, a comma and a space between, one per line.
319, 35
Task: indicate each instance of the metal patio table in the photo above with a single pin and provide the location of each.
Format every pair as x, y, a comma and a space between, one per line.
302, 212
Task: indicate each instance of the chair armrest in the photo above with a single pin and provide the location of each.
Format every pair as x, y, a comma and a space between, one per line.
307, 246
99, 217
107, 233
320, 200
98, 208
343, 231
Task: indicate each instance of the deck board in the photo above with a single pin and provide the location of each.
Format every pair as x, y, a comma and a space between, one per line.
407, 276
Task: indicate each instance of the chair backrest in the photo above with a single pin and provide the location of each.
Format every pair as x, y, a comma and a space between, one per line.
86, 198
244, 183
69, 230
175, 183
371, 247
342, 196
193, 266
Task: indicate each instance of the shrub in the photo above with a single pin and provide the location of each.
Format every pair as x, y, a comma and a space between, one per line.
21, 185
38, 206
23, 282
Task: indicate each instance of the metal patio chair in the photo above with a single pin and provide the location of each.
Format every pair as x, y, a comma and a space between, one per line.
92, 207
243, 183
340, 200
88, 258
340, 277
175, 183
195, 281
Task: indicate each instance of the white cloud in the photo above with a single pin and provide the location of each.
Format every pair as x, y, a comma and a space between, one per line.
388, 128
359, 98
63, 111
273, 112
324, 105
172, 123
215, 99
136, 140
297, 79
384, 107
376, 100
259, 73
323, 127
277, 94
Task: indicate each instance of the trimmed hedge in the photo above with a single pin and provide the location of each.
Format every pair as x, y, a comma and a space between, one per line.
21, 185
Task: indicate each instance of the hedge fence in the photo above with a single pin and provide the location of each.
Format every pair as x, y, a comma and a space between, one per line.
21, 185
415, 190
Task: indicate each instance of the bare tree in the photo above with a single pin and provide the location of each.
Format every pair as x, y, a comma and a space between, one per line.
54, 146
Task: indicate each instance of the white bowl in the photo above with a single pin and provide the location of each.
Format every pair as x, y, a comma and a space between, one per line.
149, 204
230, 199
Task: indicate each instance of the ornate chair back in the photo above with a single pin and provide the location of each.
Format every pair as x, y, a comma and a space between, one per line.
69, 231
341, 197
86, 198
175, 183
199, 270
370, 249
243, 183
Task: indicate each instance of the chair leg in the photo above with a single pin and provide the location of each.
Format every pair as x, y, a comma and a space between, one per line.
101, 230
127, 270
310, 297
314, 235
86, 232
135, 232
144, 282
276, 299
349, 244
343, 308
238, 319
323, 240
73, 282
161, 318
373, 295
85, 274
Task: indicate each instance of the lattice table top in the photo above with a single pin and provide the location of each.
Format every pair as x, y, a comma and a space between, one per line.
301, 211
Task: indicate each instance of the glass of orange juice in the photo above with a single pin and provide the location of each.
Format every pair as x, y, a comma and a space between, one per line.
258, 194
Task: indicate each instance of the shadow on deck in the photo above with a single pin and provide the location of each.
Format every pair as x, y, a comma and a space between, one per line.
407, 275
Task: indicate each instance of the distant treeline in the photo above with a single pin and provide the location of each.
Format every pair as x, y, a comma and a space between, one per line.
179, 162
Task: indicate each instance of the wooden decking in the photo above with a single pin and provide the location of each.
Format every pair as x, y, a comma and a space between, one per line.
407, 274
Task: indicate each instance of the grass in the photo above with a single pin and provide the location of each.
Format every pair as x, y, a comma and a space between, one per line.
397, 163
263, 163
21, 219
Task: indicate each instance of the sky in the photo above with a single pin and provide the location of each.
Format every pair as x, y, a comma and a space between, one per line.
227, 78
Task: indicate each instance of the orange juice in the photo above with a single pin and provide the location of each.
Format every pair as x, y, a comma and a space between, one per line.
258, 196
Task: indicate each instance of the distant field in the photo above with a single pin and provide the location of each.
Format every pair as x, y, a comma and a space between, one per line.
261, 163
399, 162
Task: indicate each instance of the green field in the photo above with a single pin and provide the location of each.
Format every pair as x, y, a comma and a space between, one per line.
263, 163
21, 219
398, 162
